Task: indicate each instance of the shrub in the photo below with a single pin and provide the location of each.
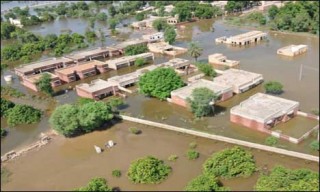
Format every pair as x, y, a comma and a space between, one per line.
273, 87
44, 84
135, 49
314, 145
139, 62
192, 154
7, 90
134, 130
5, 106
82, 101
272, 141
116, 173
96, 184
148, 170
207, 69
205, 182
193, 145
282, 179
229, 163
23, 114
139, 16
172, 158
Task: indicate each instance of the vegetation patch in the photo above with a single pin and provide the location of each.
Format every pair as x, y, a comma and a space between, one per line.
139, 62
134, 130
229, 163
22, 114
314, 145
205, 182
283, 179
5, 106
172, 157
116, 173
273, 87
193, 154
272, 141
12, 92
206, 69
5, 175
148, 170
193, 145
3, 133
135, 49
96, 184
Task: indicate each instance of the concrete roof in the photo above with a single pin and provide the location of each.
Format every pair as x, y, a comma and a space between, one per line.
262, 107
176, 62
249, 34
79, 67
186, 91
236, 77
43, 63
86, 53
124, 78
95, 85
292, 48
123, 59
35, 78
124, 44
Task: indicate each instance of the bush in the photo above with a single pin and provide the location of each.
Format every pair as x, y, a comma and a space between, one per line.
135, 49
159, 83
282, 179
200, 102
272, 141
170, 35
82, 101
139, 62
44, 84
229, 163
193, 145
172, 158
207, 69
134, 130
205, 182
314, 145
23, 114
192, 154
5, 106
139, 16
148, 170
116, 173
273, 87
96, 184
7, 90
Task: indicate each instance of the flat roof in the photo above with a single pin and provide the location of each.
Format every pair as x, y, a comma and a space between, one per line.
262, 107
120, 60
79, 67
90, 52
43, 63
236, 77
292, 48
95, 85
161, 45
247, 35
130, 42
124, 78
186, 91
174, 62
35, 78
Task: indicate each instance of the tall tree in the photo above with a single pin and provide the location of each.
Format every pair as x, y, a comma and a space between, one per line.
195, 50
170, 35
44, 84
200, 101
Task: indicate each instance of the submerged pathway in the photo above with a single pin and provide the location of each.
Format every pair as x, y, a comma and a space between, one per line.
222, 138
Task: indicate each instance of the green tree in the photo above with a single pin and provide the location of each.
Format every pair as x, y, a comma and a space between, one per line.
170, 35
135, 49
96, 184
194, 50
204, 11
159, 83
273, 11
207, 69
90, 35
5, 106
183, 9
148, 170
6, 30
23, 114
115, 102
205, 182
139, 62
159, 24
229, 163
193, 154
44, 84
113, 23
200, 101
139, 16
112, 11
314, 145
102, 37
282, 179
273, 87
101, 16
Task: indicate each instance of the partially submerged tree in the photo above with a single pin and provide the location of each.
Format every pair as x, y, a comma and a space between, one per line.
44, 84
170, 35
23, 114
207, 69
135, 49
96, 184
205, 182
273, 87
194, 50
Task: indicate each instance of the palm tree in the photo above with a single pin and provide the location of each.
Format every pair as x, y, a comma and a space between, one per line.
194, 50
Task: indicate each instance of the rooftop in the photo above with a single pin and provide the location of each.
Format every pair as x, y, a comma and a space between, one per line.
124, 44
79, 67
86, 53
95, 85
236, 77
120, 60
124, 78
175, 62
35, 78
186, 91
263, 107
292, 48
248, 35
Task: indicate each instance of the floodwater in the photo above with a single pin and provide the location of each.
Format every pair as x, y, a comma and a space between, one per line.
260, 58
54, 166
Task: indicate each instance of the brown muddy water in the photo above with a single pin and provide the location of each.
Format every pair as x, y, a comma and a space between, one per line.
66, 164
260, 58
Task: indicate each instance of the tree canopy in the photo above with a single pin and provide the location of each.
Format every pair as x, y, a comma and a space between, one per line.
160, 82
273, 87
194, 50
283, 179
5, 106
22, 114
159, 24
135, 49
207, 69
96, 184
205, 182
200, 101
229, 163
44, 84
170, 35
148, 170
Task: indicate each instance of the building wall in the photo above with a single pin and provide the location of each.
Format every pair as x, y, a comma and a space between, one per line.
29, 85
247, 122
83, 93
87, 73
66, 78
226, 95
179, 101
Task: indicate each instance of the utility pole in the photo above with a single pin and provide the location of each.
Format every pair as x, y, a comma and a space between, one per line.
300, 76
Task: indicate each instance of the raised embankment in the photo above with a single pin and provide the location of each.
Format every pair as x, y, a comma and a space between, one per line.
222, 138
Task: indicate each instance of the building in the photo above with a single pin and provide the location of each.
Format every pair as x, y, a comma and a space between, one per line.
265, 5
121, 46
153, 37
292, 50
94, 53
173, 20
78, 71
41, 66
219, 4
240, 80
15, 22
128, 60
97, 89
125, 80
180, 96
243, 39
220, 59
262, 111
31, 81
166, 48
146, 23
181, 66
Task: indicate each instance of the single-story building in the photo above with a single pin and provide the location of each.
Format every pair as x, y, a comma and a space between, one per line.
262, 111
180, 96
220, 59
153, 37
166, 48
292, 50
125, 80
243, 39
93, 53
128, 60
240, 80
31, 81
121, 46
97, 89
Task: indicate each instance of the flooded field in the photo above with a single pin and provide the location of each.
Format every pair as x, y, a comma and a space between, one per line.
54, 166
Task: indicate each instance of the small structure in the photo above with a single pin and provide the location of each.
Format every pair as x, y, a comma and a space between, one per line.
8, 78
128, 60
78, 71
243, 39
41, 66
180, 96
173, 20
262, 111
220, 59
31, 81
94, 53
15, 22
97, 89
219, 4
265, 5
153, 37
181, 66
98, 149
125, 80
165, 48
146, 23
292, 50
121, 46
240, 80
